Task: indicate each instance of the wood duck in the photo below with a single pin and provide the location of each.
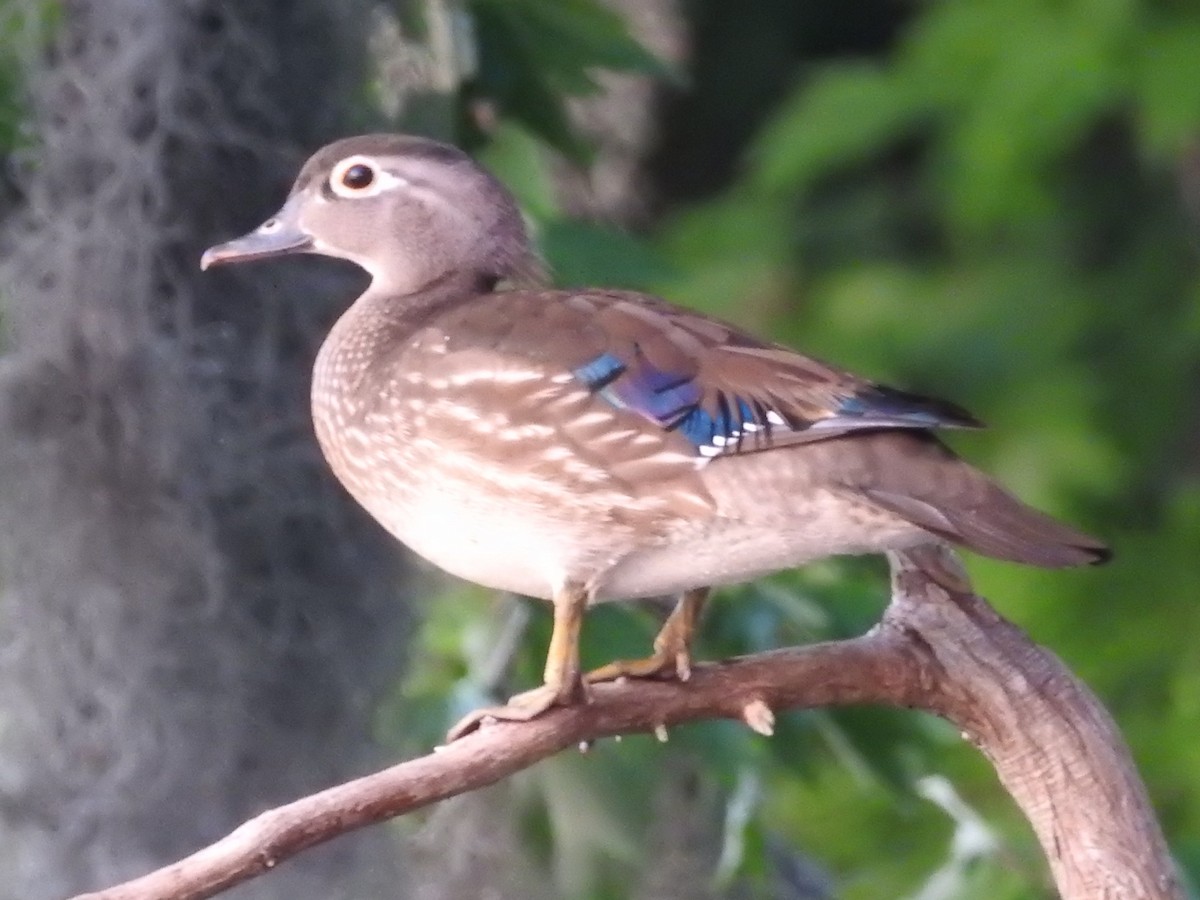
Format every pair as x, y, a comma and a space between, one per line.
591, 445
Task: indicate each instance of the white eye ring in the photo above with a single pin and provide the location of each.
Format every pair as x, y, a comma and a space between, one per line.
361, 176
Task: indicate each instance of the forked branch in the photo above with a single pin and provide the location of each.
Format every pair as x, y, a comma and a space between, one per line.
938, 648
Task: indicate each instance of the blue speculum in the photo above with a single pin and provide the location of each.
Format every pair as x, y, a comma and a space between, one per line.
673, 401
716, 421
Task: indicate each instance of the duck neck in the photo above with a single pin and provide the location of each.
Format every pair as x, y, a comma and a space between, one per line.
377, 322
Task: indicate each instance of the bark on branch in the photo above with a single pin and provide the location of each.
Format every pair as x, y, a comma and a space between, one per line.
938, 648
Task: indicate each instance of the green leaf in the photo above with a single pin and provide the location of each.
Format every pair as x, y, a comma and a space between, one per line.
730, 254
1168, 89
567, 38
1040, 99
586, 255
844, 116
518, 159
509, 76
534, 54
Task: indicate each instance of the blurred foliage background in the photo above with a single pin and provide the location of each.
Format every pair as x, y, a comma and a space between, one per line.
994, 201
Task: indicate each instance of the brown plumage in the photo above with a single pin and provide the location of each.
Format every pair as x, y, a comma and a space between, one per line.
593, 445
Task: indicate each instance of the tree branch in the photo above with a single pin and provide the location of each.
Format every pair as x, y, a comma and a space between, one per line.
938, 648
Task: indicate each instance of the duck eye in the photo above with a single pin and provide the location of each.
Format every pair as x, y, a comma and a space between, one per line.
358, 177
355, 177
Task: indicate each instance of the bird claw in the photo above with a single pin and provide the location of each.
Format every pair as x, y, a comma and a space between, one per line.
521, 708
662, 664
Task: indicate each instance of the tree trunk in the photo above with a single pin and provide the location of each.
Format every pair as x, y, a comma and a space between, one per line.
195, 622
